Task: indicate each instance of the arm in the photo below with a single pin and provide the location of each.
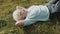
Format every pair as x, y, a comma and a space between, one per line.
32, 16
23, 23
29, 22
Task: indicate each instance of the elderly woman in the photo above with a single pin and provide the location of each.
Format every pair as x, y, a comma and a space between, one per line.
25, 17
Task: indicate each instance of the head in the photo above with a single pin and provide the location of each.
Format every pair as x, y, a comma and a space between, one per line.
20, 13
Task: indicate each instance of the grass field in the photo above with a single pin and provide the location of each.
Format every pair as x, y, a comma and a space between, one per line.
7, 24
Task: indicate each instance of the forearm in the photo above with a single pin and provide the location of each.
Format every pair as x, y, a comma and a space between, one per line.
29, 22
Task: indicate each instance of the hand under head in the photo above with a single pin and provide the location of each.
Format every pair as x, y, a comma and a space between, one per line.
20, 23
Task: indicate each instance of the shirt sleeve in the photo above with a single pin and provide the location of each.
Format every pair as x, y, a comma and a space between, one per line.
31, 18
29, 22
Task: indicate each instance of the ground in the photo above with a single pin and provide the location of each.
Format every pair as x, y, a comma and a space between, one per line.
7, 24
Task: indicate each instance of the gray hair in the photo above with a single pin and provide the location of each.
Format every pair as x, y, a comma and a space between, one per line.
16, 13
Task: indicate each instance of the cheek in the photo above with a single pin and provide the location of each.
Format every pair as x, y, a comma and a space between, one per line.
24, 14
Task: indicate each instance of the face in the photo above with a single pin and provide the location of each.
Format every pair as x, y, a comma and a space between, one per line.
23, 14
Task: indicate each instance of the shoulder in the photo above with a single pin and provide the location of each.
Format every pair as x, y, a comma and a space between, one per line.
33, 7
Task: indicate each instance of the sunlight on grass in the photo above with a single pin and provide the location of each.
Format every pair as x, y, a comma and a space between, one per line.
7, 24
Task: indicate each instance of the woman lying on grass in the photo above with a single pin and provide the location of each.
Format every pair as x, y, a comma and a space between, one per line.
25, 17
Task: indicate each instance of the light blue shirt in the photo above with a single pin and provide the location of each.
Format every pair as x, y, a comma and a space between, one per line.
36, 13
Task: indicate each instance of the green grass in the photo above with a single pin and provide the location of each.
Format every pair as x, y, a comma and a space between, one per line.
7, 24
